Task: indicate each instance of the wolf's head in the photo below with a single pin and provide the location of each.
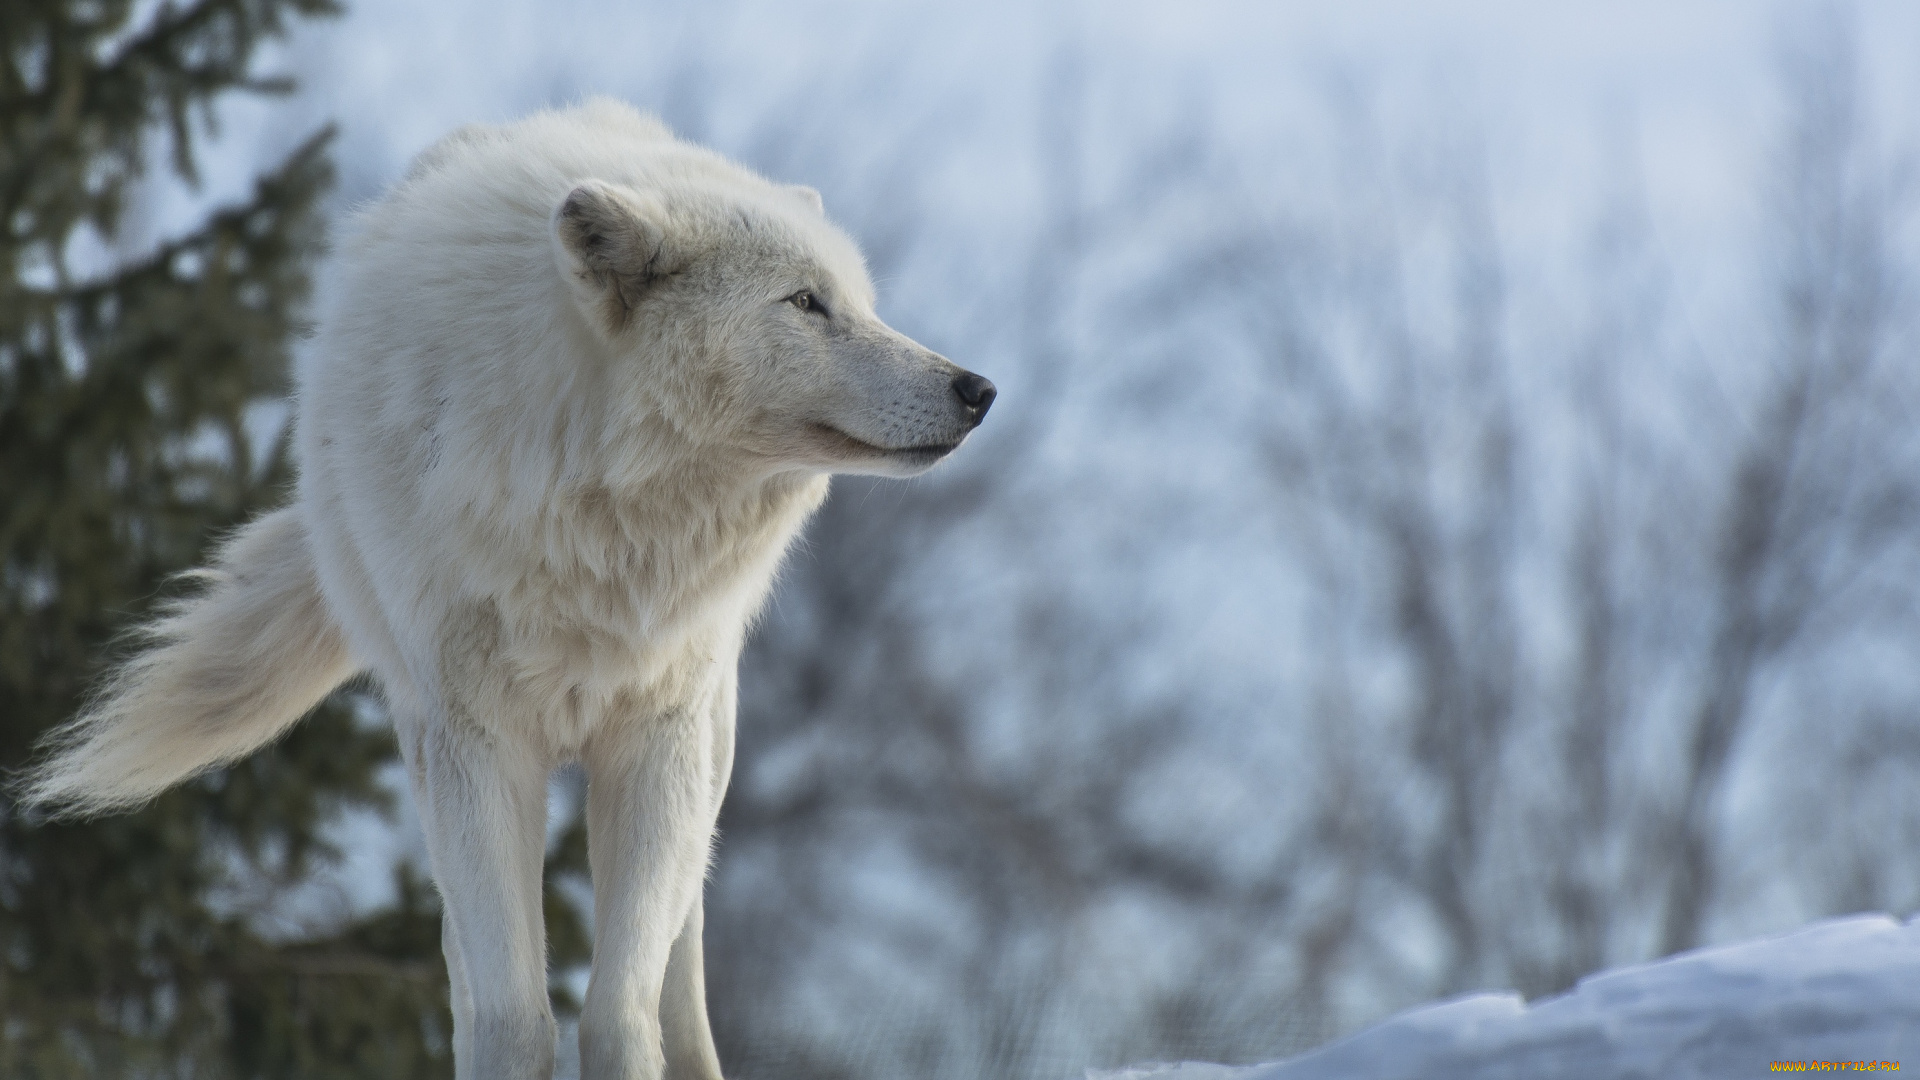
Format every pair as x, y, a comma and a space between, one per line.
748, 322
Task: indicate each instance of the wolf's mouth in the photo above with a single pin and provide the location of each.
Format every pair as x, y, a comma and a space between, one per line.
849, 444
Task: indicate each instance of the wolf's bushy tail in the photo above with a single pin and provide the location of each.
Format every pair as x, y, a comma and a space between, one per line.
218, 675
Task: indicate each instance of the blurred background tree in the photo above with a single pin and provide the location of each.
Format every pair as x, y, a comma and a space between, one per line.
1348, 616
137, 384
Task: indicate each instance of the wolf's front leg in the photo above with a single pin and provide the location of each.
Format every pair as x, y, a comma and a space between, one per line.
483, 807
685, 1030
650, 819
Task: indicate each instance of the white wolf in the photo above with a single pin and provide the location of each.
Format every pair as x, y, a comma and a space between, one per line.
576, 387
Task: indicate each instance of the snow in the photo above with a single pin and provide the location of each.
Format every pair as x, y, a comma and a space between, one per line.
1843, 991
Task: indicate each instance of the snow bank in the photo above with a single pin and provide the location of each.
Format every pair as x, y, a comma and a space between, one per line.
1845, 991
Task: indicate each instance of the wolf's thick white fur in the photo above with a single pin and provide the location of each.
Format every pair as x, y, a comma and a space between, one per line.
577, 386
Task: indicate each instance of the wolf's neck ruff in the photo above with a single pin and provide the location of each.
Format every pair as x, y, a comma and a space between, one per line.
618, 585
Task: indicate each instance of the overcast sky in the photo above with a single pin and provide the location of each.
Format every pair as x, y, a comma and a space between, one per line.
1692, 74
1552, 83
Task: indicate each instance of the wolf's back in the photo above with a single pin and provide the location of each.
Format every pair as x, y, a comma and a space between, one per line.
217, 676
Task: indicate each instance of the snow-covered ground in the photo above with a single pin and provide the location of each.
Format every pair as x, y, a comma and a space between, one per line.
1841, 995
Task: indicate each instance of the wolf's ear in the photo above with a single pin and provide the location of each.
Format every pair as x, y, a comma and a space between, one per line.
612, 247
809, 196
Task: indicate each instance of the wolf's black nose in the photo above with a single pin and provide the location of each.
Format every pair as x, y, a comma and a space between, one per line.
975, 392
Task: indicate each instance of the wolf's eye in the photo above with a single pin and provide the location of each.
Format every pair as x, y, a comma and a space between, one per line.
805, 300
